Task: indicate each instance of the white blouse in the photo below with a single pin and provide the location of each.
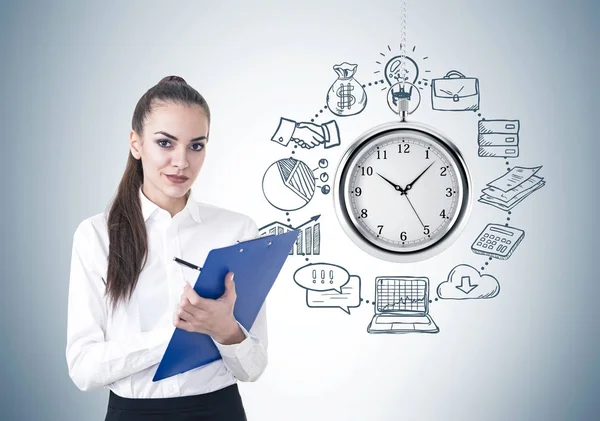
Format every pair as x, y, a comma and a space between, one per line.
122, 352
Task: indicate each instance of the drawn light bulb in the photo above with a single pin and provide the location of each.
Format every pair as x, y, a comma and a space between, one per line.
401, 86
392, 70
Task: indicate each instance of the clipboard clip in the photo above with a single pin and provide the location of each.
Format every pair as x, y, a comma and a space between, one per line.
198, 268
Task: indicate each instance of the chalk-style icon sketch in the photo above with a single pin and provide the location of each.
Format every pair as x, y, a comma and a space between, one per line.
393, 71
394, 75
308, 242
455, 92
411, 75
307, 135
467, 283
324, 177
398, 92
497, 241
348, 298
508, 190
288, 184
329, 286
402, 306
346, 96
498, 138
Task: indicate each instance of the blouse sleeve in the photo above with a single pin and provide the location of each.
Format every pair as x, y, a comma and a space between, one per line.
92, 360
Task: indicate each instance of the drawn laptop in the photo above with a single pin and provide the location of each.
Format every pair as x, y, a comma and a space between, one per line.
402, 306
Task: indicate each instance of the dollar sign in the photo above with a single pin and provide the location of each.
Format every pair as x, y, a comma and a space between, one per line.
344, 93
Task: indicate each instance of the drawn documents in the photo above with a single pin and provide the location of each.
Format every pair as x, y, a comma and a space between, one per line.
512, 188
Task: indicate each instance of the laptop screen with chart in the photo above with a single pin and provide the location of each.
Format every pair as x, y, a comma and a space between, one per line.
401, 295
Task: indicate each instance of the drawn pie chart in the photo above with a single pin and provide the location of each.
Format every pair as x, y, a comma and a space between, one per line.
288, 184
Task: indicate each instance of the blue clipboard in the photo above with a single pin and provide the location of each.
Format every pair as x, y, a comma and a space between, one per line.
256, 264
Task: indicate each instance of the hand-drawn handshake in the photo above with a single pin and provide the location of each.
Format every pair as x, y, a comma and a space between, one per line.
307, 135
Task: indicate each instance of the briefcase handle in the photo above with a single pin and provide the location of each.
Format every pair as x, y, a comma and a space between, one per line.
452, 74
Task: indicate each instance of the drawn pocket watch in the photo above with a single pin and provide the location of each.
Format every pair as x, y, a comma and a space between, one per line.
402, 191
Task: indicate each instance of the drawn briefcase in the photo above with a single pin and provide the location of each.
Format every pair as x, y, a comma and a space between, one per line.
455, 92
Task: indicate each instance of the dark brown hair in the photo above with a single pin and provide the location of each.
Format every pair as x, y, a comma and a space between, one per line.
128, 241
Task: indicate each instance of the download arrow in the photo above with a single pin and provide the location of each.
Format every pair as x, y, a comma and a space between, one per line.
465, 285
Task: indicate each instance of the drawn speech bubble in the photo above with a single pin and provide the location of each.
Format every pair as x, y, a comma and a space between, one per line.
322, 277
349, 298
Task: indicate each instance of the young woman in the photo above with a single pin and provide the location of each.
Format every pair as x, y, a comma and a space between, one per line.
127, 294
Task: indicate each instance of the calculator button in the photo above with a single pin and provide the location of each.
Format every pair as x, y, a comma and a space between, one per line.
485, 235
501, 249
508, 241
479, 244
503, 240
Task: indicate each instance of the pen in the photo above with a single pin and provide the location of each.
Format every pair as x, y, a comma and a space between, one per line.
188, 264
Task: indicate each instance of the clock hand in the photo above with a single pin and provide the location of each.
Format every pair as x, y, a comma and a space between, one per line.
396, 186
413, 208
411, 184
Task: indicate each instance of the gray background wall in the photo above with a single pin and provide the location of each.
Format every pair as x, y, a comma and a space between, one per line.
71, 74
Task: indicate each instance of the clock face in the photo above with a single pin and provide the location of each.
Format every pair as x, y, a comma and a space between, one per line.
404, 190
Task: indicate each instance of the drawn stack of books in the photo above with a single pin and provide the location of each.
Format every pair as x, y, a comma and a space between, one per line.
498, 138
513, 187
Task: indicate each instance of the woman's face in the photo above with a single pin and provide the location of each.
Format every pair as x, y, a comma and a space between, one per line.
173, 144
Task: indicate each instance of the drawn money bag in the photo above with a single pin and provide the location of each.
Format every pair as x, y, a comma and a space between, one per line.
346, 96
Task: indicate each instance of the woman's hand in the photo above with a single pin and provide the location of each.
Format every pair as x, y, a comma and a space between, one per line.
212, 317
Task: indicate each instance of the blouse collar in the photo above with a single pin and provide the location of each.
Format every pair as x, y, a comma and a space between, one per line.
149, 207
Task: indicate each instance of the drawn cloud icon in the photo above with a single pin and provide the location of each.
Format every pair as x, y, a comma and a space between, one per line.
466, 283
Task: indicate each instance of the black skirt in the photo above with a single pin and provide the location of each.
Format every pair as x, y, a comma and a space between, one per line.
221, 405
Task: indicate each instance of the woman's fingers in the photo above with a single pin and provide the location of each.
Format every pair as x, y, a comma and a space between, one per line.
185, 315
194, 299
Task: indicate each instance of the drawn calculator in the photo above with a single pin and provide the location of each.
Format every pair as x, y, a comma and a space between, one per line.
498, 241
